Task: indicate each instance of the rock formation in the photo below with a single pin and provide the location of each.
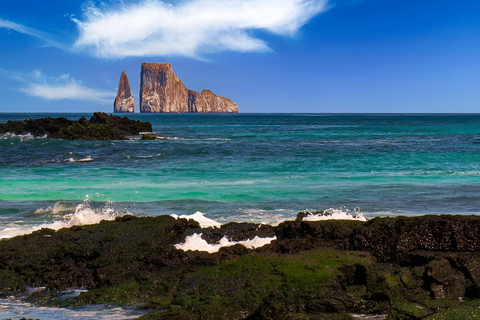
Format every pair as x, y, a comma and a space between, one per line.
425, 267
101, 126
124, 102
162, 91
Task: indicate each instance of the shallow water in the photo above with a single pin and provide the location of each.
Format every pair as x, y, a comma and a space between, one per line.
11, 309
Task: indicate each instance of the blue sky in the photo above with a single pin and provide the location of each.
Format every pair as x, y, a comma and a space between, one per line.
266, 55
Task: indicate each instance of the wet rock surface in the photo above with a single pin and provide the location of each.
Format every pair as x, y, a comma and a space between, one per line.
101, 126
409, 268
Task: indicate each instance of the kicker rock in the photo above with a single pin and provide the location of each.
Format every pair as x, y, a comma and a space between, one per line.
124, 102
162, 91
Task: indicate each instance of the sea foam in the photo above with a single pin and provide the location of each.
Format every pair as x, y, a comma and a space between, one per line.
83, 215
196, 243
200, 218
14, 309
334, 214
86, 159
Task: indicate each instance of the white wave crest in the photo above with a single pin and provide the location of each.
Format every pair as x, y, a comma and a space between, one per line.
64, 207
334, 214
196, 243
60, 207
86, 159
201, 219
83, 215
43, 210
197, 139
21, 137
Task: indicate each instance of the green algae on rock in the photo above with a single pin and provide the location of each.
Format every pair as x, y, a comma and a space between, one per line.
100, 127
408, 268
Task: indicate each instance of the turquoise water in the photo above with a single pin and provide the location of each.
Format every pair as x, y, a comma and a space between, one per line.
255, 167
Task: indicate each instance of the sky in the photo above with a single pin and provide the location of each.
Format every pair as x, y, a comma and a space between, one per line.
269, 56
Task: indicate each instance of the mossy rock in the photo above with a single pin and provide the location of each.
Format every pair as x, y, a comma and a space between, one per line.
149, 136
272, 287
100, 127
313, 269
409, 310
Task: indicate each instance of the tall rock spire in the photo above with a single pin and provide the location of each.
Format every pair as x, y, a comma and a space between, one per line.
124, 102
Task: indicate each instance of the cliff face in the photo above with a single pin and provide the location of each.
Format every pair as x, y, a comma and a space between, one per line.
162, 91
124, 102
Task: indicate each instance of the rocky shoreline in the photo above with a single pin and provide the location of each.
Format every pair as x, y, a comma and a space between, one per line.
100, 126
424, 267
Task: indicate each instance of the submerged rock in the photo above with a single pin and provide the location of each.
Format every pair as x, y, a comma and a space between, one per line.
410, 268
124, 102
162, 91
100, 127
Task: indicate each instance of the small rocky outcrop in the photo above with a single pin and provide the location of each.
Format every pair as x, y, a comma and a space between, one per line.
101, 126
124, 102
162, 91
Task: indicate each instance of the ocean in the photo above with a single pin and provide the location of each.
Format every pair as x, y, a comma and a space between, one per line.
244, 167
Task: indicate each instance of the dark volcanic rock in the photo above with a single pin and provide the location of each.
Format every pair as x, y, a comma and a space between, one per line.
100, 127
124, 102
410, 240
410, 268
162, 91
238, 232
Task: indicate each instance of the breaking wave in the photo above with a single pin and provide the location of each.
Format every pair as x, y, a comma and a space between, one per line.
21, 137
86, 159
67, 214
200, 218
83, 215
334, 214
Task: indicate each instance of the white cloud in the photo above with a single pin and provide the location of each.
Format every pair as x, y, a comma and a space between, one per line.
190, 28
63, 87
6, 24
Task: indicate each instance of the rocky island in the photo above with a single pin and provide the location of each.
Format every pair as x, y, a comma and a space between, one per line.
101, 126
424, 267
162, 91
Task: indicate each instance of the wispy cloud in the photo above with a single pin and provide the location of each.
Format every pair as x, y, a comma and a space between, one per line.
190, 28
44, 37
63, 87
